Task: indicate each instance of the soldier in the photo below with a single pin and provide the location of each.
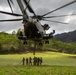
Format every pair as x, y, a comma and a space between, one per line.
23, 61
41, 61
26, 61
30, 61
38, 61
35, 61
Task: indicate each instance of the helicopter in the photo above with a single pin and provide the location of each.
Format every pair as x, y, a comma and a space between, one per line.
33, 29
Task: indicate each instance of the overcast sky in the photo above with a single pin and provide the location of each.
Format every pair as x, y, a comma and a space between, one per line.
41, 7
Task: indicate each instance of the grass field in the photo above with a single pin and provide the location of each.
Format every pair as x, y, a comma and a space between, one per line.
53, 64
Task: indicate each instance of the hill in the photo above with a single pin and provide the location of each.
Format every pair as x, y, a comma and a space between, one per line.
67, 37
10, 44
5, 37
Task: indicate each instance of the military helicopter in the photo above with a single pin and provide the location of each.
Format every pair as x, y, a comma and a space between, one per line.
33, 29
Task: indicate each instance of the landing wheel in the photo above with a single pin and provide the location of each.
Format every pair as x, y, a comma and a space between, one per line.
40, 44
46, 42
25, 43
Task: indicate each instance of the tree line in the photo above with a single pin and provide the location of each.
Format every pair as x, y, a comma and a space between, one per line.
9, 43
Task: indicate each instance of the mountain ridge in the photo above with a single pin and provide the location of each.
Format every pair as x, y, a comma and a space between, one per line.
67, 37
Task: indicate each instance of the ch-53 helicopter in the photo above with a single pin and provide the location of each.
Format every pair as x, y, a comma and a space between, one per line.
33, 29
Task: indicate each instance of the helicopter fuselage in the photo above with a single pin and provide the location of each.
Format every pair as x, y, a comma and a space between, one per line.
32, 27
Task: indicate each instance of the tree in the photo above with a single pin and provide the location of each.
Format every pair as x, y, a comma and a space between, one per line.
1, 48
13, 32
18, 32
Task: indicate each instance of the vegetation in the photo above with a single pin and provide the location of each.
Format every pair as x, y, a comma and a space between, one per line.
59, 46
53, 64
9, 43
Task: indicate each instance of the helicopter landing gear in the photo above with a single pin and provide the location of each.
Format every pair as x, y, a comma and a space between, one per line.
40, 44
47, 42
25, 43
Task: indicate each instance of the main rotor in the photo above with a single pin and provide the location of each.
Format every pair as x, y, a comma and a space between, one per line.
43, 17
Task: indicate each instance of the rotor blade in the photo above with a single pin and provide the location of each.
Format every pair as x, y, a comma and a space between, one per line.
11, 20
10, 5
29, 7
54, 21
60, 7
59, 16
13, 14
11, 2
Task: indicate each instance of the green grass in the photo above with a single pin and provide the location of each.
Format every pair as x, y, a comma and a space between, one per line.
53, 64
